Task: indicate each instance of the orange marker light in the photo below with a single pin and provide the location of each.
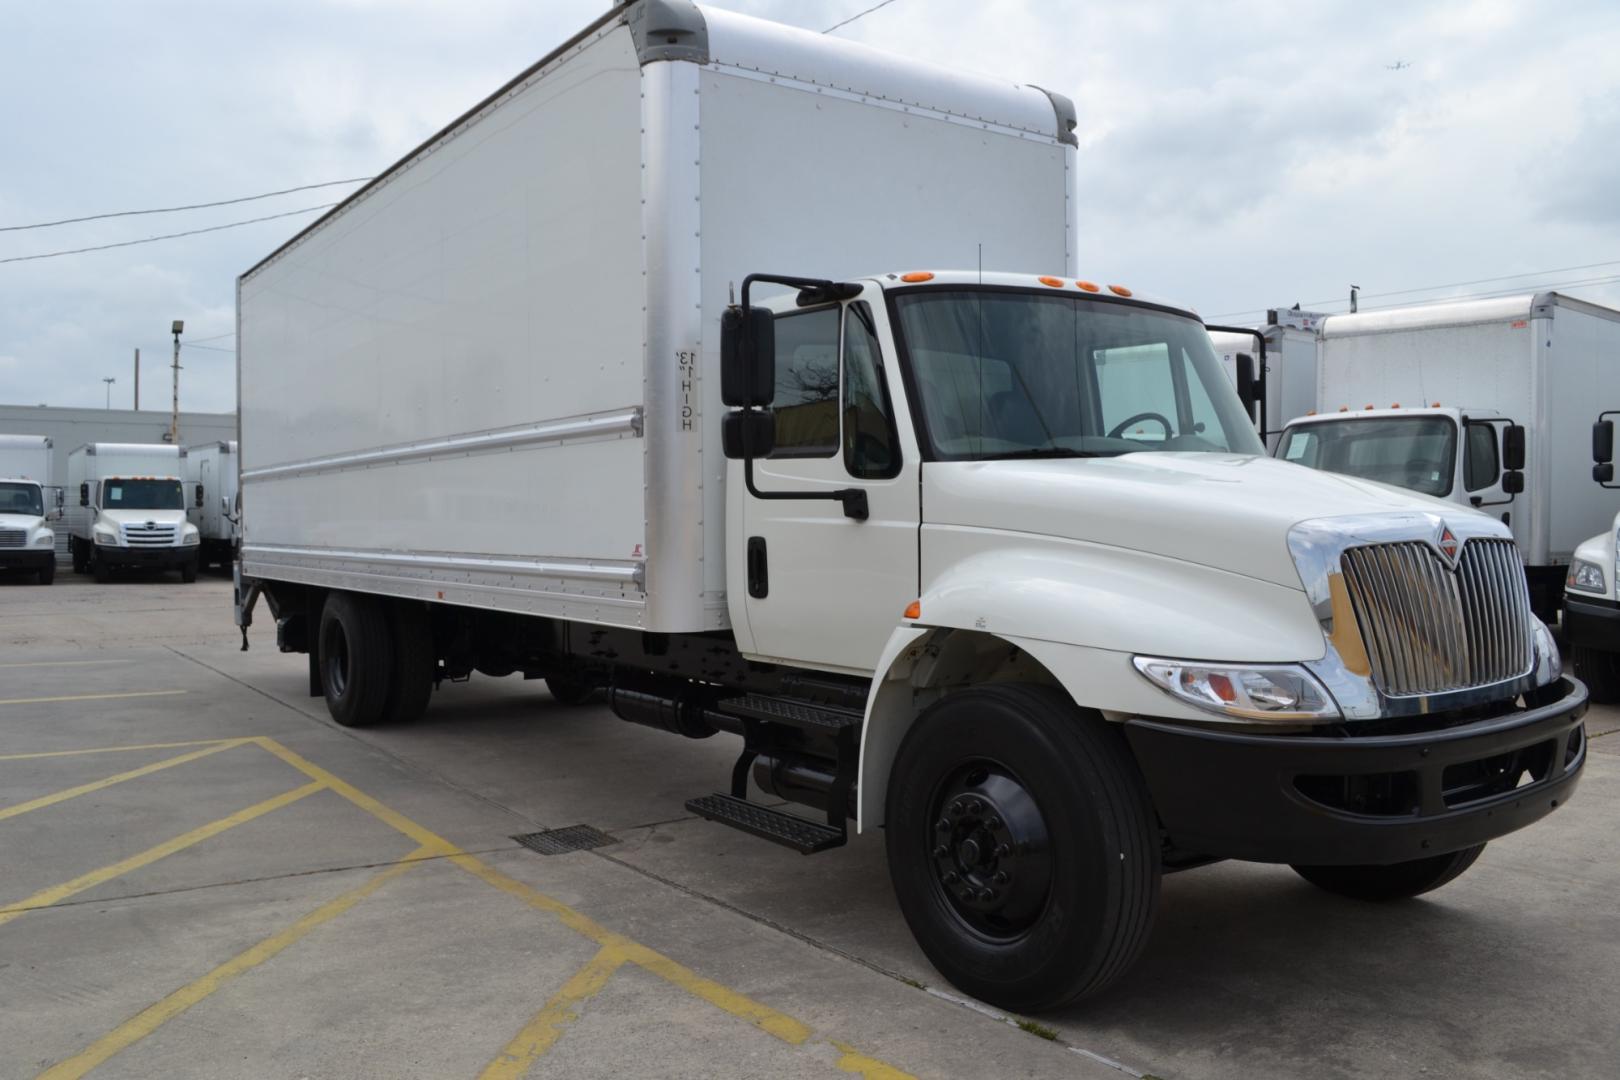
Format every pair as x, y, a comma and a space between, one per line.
1436, 405
1088, 286
913, 610
1119, 290
1369, 406
1056, 283
1344, 408
1396, 405
917, 275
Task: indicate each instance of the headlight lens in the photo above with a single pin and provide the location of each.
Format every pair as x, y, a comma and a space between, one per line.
1278, 693
46, 538
189, 536
107, 538
1588, 577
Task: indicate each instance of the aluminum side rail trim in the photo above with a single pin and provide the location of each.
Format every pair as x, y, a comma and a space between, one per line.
603, 570
622, 422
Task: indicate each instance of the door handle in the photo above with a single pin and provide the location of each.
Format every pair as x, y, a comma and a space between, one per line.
759, 580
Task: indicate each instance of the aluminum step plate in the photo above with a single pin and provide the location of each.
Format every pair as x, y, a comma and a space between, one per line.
805, 837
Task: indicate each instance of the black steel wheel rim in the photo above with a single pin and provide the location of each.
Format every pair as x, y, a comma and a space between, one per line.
335, 653
990, 854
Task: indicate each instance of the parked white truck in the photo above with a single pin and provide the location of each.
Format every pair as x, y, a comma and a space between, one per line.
993, 561
28, 505
1591, 616
131, 510
1486, 403
212, 468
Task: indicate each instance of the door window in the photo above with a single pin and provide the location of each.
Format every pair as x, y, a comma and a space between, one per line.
807, 384
1481, 467
870, 452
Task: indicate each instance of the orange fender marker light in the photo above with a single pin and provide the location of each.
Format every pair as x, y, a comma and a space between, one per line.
914, 610
917, 275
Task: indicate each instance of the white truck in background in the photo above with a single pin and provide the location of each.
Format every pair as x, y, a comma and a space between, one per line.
212, 468
1488, 404
1281, 369
1591, 616
130, 511
28, 504
991, 560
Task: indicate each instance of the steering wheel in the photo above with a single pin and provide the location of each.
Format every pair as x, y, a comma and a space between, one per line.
1118, 429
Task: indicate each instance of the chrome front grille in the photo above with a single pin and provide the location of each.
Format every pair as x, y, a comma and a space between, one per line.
1429, 629
149, 535
13, 538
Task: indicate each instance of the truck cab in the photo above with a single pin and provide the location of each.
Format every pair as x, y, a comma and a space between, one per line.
27, 541
131, 512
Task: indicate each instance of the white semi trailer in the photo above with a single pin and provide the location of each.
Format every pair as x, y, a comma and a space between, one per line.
131, 510
28, 504
212, 469
1486, 403
632, 379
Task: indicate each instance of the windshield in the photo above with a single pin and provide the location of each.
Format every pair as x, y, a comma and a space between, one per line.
141, 495
1413, 452
21, 499
1007, 373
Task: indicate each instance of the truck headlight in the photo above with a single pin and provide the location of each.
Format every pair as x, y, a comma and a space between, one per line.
106, 538
46, 538
1587, 577
189, 535
1278, 693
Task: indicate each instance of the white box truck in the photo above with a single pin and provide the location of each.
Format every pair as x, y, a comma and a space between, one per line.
28, 505
212, 469
634, 379
131, 510
1486, 403
1591, 615
1281, 369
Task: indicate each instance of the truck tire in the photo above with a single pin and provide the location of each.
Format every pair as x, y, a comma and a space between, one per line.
567, 689
414, 663
77, 552
99, 568
1400, 881
1599, 670
188, 571
47, 573
356, 654
1022, 845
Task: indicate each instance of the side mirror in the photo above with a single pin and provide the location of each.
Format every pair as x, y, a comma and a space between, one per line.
84, 494
747, 357
1246, 386
1603, 442
225, 506
753, 429
1513, 447
1604, 473
199, 496
1513, 481
61, 497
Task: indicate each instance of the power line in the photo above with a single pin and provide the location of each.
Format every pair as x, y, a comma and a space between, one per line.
166, 236
176, 209
858, 15
216, 337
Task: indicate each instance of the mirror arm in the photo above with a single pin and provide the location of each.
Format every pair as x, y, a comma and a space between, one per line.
1260, 373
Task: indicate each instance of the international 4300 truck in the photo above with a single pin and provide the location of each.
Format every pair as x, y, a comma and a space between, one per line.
636, 378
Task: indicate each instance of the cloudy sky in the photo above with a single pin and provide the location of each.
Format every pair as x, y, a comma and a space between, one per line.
1234, 155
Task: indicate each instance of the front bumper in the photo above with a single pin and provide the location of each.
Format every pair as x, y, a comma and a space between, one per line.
1592, 624
124, 557
1349, 800
27, 558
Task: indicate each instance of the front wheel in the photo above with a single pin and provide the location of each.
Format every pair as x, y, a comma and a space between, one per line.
188, 571
1399, 881
47, 573
1022, 846
1600, 671
99, 568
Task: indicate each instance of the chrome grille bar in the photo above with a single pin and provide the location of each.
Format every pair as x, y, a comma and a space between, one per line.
13, 538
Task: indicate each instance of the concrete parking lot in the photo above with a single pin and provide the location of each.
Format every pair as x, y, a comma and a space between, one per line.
201, 876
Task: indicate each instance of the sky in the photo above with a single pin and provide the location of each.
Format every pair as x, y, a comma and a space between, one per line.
1233, 156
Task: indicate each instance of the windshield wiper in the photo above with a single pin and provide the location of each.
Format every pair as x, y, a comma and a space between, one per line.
1049, 452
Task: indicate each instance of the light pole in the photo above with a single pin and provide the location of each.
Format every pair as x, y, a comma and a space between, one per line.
109, 380
174, 412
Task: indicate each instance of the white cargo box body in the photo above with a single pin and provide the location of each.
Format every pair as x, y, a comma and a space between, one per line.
491, 378
26, 457
213, 465
1546, 361
97, 461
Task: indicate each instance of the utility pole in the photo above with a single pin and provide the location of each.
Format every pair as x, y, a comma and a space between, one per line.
174, 412
109, 380
137, 380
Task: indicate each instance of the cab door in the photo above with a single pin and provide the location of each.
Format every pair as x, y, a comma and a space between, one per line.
822, 588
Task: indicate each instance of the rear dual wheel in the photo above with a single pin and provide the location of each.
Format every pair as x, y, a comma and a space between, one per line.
1022, 846
376, 659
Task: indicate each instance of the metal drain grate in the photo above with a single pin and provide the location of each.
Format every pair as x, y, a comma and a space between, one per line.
561, 841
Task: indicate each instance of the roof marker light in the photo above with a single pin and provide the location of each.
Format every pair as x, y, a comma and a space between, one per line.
1369, 407
1088, 286
1396, 405
1344, 408
917, 275
1119, 290
1436, 405
1056, 283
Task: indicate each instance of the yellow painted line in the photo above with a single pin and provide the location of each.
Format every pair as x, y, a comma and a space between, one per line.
538, 1035
155, 1016
119, 749
762, 1016
97, 785
57, 893
90, 697
65, 663
853, 1061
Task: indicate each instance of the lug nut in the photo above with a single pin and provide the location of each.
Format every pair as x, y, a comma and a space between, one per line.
956, 808
987, 895
943, 825
1002, 877
1003, 850
951, 877
992, 822
941, 851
